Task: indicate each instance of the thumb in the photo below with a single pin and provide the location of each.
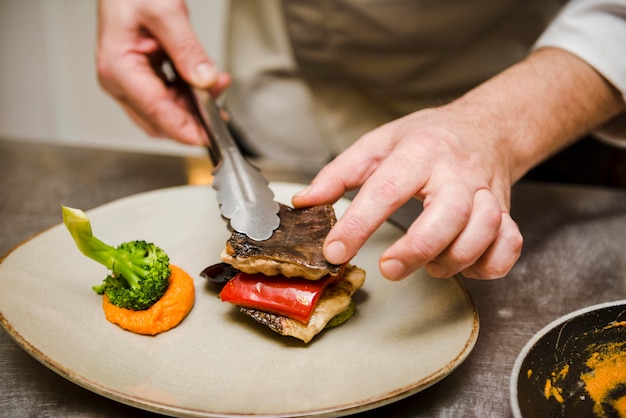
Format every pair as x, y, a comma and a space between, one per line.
179, 41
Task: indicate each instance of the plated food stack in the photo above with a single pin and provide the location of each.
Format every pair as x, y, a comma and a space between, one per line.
285, 282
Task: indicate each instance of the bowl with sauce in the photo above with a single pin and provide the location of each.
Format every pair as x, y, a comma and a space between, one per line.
574, 367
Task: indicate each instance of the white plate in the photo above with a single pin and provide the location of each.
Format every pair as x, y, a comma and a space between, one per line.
405, 336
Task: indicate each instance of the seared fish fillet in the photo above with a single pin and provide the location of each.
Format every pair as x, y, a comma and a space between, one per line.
294, 250
333, 301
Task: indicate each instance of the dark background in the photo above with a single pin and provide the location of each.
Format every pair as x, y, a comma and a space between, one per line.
588, 161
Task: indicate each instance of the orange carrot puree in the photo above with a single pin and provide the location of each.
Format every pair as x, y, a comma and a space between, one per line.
164, 315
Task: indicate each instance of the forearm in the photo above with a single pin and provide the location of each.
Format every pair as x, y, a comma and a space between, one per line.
541, 105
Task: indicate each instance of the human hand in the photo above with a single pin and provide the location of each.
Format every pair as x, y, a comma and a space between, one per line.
134, 38
443, 158
461, 160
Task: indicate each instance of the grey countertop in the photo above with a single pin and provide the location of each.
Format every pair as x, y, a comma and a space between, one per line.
573, 257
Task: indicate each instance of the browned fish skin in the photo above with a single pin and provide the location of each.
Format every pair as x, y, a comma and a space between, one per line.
275, 322
297, 242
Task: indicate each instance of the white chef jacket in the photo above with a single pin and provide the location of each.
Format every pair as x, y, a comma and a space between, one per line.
595, 30
310, 77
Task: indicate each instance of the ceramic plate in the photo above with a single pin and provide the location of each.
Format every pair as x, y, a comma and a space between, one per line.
405, 336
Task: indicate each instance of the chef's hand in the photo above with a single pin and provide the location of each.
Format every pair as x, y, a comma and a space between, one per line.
461, 159
134, 37
441, 158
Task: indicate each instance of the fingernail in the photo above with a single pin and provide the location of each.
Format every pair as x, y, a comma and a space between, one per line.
335, 252
393, 269
303, 192
205, 74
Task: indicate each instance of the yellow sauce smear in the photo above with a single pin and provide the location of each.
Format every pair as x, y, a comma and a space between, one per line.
551, 388
608, 372
165, 314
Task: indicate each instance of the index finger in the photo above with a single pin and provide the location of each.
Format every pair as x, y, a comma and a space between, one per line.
381, 194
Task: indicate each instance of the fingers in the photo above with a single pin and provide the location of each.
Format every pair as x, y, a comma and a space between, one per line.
486, 246
465, 225
334, 180
168, 22
460, 230
383, 190
161, 116
475, 238
331, 183
502, 254
379, 197
133, 39
446, 214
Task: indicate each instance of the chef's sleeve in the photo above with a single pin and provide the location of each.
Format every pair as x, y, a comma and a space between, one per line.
595, 31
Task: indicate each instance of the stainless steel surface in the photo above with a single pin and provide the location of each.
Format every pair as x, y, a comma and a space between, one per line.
573, 257
243, 192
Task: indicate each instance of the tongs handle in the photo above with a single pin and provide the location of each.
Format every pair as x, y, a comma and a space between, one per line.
207, 113
216, 129
210, 117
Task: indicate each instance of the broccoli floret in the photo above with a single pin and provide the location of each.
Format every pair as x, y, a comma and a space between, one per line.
139, 270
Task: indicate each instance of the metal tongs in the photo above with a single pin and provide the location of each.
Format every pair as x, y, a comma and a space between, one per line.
243, 192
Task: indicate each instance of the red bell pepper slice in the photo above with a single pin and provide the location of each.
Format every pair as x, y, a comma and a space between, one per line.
291, 297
